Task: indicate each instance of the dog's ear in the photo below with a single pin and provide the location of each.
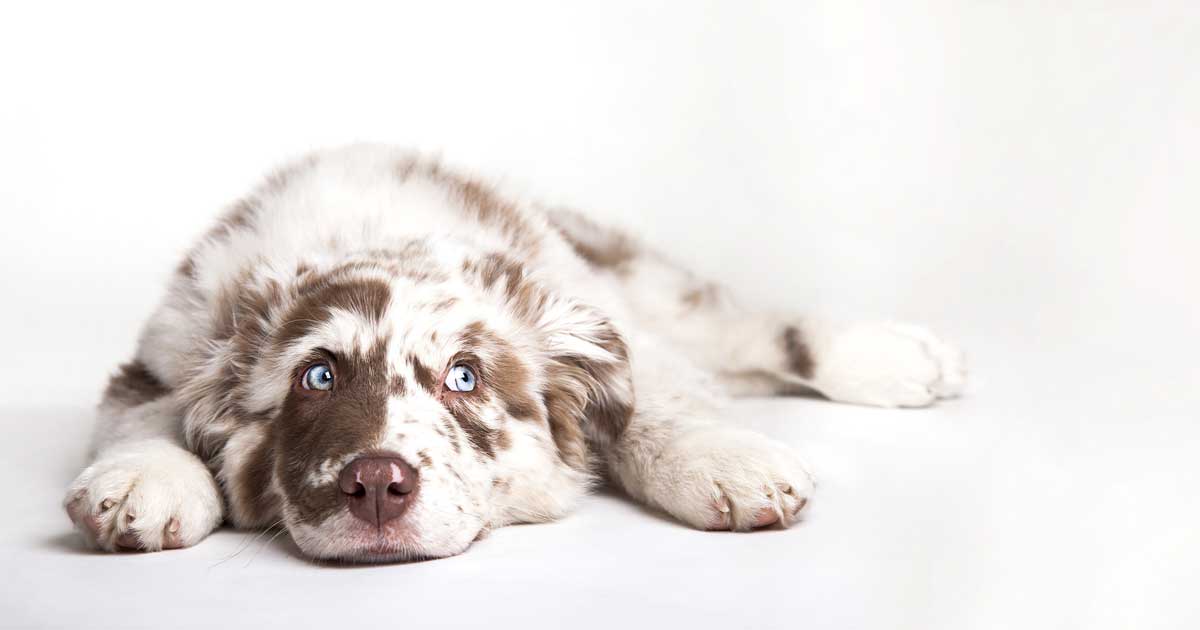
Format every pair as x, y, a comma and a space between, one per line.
587, 386
588, 389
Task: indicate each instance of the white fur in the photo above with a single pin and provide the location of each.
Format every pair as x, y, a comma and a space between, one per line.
675, 454
888, 365
139, 487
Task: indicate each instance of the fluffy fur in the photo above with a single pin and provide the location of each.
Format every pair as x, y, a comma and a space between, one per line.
391, 269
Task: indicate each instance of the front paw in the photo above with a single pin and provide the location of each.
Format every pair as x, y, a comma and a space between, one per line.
889, 365
145, 498
723, 478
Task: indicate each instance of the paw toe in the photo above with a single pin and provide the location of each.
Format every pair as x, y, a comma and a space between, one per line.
129, 540
172, 538
746, 508
116, 508
765, 516
892, 365
950, 362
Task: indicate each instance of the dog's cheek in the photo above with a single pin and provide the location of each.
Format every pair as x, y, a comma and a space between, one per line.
532, 482
247, 474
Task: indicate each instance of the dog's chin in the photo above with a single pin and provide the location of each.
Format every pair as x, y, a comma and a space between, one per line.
350, 541
380, 553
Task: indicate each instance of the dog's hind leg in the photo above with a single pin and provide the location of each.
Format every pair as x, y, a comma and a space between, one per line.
756, 352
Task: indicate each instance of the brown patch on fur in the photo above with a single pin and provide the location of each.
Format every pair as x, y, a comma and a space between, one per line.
504, 373
426, 378
134, 385
238, 216
250, 317
449, 430
799, 359
406, 167
705, 295
187, 267
563, 412
443, 305
426, 461
500, 273
207, 445
281, 178
583, 397
215, 389
482, 202
602, 257
588, 398
317, 426
606, 412
416, 270
601, 247
510, 380
367, 297
480, 436
310, 427
257, 504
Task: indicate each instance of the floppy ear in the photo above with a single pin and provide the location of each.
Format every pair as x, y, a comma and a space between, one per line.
588, 389
587, 386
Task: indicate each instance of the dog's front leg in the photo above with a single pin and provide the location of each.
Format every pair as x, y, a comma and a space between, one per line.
709, 475
676, 456
143, 490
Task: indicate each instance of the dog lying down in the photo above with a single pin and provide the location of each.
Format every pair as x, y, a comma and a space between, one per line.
391, 359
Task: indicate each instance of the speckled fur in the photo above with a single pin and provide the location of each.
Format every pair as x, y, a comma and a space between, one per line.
393, 268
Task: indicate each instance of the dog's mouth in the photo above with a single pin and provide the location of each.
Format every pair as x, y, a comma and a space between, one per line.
383, 552
397, 542
349, 540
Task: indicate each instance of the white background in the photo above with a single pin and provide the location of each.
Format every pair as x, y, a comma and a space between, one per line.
1023, 176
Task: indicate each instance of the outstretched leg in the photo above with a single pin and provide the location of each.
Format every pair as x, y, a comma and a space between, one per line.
873, 363
762, 353
143, 490
675, 455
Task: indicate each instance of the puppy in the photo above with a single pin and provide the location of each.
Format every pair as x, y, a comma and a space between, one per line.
390, 359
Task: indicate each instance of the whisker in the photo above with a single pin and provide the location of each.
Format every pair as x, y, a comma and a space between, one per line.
250, 539
264, 546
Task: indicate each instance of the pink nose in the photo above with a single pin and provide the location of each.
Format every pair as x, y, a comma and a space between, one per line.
378, 488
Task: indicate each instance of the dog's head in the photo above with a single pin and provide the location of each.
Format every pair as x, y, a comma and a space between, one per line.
397, 404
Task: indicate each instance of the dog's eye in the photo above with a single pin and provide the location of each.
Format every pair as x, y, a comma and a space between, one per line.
319, 376
460, 379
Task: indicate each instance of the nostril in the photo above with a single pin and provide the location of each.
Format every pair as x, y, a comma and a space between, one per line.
378, 488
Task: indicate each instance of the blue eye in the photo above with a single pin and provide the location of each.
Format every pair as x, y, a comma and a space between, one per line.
319, 377
460, 379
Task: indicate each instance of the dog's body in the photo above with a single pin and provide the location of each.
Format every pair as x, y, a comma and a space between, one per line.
390, 359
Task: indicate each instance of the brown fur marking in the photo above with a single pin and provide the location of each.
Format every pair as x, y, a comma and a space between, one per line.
799, 359
316, 426
258, 504
134, 385
601, 247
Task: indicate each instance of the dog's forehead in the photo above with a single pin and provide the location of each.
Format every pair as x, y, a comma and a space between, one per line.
433, 321
406, 327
